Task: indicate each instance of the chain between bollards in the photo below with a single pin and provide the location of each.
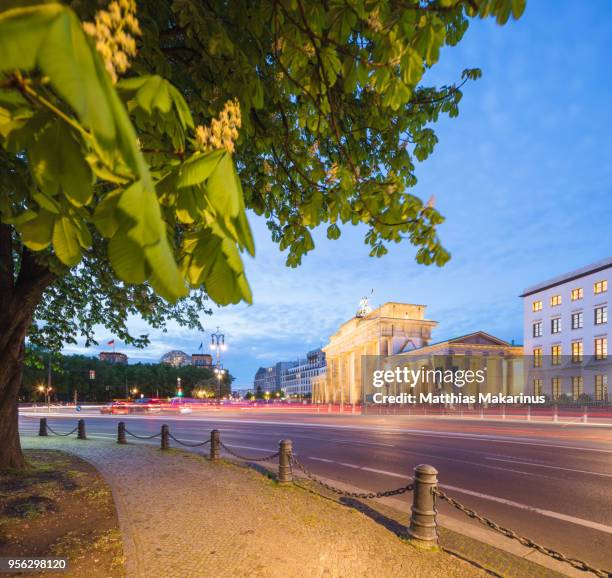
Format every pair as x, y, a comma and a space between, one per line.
81, 430
285, 473
422, 530
121, 433
165, 437
215, 445
42, 428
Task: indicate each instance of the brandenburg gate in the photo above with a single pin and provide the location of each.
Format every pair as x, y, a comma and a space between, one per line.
390, 329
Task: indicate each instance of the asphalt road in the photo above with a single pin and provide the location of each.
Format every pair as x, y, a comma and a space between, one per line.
552, 483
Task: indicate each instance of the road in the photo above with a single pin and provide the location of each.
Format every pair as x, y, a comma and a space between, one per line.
552, 483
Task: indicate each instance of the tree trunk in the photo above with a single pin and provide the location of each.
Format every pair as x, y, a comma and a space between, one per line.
10, 379
19, 295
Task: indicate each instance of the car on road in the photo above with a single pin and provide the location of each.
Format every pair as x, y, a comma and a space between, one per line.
115, 408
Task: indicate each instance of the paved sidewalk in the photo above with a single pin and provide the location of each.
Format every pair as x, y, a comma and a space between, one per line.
182, 516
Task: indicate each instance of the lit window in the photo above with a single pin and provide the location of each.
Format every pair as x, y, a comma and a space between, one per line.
600, 286
537, 357
538, 385
577, 294
537, 329
601, 315
577, 351
536, 306
556, 387
601, 348
555, 353
577, 320
555, 300
577, 386
555, 325
601, 388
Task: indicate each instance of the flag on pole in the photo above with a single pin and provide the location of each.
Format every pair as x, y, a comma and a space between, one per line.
111, 342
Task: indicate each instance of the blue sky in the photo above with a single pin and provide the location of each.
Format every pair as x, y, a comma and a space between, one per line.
523, 176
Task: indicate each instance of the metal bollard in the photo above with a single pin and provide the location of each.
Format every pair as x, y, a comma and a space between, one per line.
121, 433
81, 430
42, 428
165, 437
422, 530
215, 445
285, 473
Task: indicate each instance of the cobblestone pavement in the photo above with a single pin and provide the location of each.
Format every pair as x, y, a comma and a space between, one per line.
182, 516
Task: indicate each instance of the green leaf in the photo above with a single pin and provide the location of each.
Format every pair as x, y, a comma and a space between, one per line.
127, 259
36, 233
105, 216
154, 94
198, 168
333, 232
66, 241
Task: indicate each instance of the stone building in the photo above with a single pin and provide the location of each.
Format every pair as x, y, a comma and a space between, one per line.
566, 332
296, 381
501, 363
113, 357
390, 329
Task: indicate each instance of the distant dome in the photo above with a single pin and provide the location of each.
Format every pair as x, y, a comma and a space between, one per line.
176, 358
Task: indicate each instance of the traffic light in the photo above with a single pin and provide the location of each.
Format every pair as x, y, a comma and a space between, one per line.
179, 393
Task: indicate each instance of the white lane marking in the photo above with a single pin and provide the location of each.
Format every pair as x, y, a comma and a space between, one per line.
250, 448
386, 473
425, 433
549, 513
512, 503
376, 471
539, 465
353, 442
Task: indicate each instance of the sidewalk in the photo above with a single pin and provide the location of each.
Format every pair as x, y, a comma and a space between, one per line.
182, 516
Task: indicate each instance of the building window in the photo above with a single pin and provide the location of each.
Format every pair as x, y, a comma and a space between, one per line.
601, 348
555, 325
577, 386
537, 357
555, 353
601, 388
555, 387
537, 329
577, 351
601, 315
555, 300
536, 306
577, 294
600, 286
538, 384
577, 320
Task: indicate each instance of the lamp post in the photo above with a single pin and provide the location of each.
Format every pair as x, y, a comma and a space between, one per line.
219, 372
47, 391
217, 343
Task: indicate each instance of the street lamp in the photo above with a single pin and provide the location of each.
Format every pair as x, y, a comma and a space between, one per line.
219, 372
47, 391
217, 343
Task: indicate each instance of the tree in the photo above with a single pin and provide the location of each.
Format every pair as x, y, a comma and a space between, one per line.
113, 202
